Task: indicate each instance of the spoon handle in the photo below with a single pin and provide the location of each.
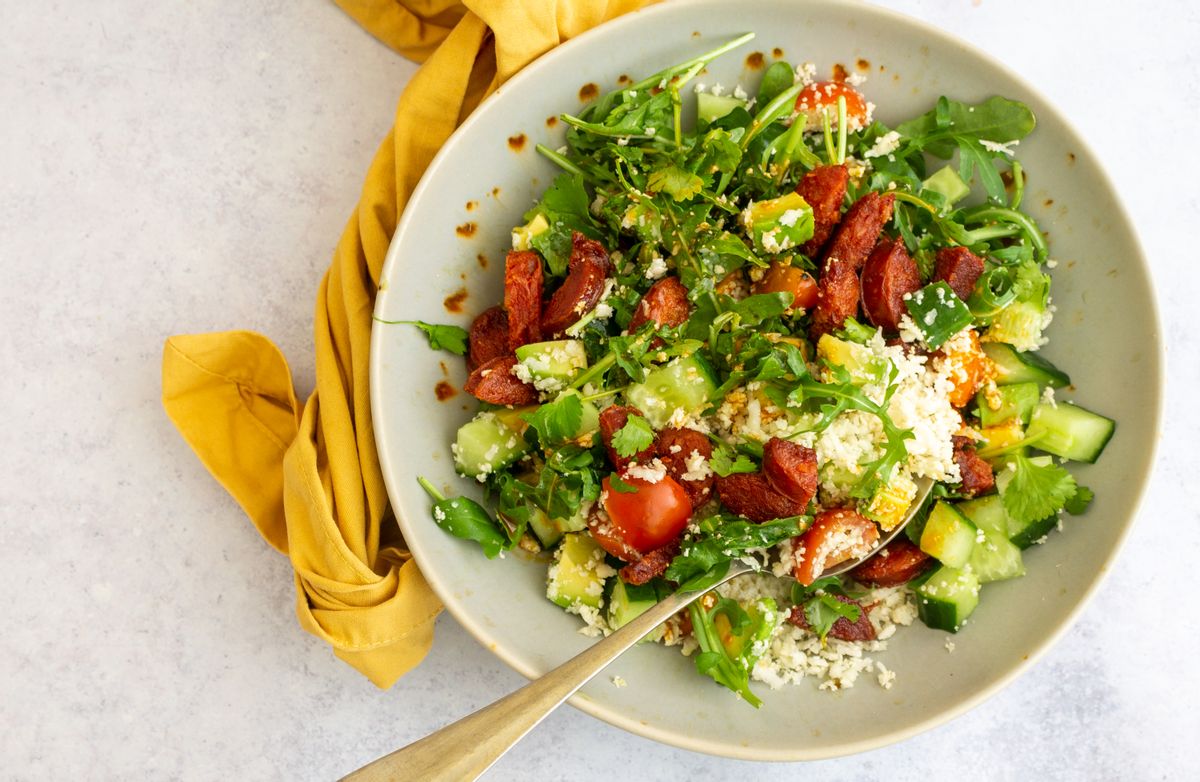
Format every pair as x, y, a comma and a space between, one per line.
467, 748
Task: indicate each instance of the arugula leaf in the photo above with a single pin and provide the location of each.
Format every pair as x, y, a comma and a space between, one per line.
1079, 501
996, 119
675, 182
728, 654
1035, 491
777, 78
636, 435
556, 421
564, 205
723, 538
465, 518
441, 337
759, 307
726, 462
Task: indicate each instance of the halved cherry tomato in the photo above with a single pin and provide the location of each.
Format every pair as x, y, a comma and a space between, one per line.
644, 519
834, 537
816, 96
785, 278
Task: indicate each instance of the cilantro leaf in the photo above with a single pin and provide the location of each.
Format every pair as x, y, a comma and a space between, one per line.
675, 182
1035, 491
556, 421
726, 462
636, 435
823, 604
441, 337
1079, 501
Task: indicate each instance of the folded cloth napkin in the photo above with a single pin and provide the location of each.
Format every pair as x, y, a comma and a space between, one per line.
308, 474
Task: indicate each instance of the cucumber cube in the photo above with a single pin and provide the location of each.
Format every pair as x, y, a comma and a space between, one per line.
947, 597
627, 602
1069, 431
710, 108
551, 365
995, 558
948, 183
488, 443
577, 574
1008, 402
948, 536
676, 390
1013, 366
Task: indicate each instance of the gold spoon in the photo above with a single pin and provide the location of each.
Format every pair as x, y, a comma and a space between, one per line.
465, 749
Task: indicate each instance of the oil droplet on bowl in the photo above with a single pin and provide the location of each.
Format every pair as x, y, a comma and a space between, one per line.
454, 302
516, 143
495, 192
472, 206
863, 64
588, 92
839, 72
624, 79
777, 53
754, 61
466, 230
444, 390
551, 121
482, 259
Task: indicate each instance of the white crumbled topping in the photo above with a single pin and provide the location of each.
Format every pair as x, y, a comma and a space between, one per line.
656, 269
717, 90
700, 87
790, 217
884, 145
619, 682
793, 653
949, 646
1048, 396
910, 333
739, 93
651, 131
1051, 263
856, 79
653, 472
1003, 148
697, 467
806, 72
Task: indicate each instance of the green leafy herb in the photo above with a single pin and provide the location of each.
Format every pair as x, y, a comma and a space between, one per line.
465, 518
705, 559
675, 182
725, 461
636, 435
556, 421
564, 205
821, 605
1079, 501
440, 336
728, 654
1035, 491
619, 485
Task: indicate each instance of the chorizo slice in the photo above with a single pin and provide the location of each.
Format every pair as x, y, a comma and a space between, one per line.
887, 277
843, 629
897, 563
959, 268
791, 469
652, 564
666, 303
612, 420
750, 494
860, 229
824, 188
834, 537
488, 337
495, 384
838, 293
685, 452
581, 290
977, 475
523, 286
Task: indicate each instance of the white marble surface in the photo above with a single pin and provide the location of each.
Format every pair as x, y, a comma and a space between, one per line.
178, 167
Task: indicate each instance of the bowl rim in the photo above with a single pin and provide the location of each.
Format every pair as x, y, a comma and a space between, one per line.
731, 749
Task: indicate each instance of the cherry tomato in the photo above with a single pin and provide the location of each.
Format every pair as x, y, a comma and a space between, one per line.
644, 519
834, 537
816, 96
785, 278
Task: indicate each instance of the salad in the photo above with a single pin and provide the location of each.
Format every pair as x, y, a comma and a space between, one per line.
755, 334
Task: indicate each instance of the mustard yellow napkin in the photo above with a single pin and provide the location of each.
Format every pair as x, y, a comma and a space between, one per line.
307, 474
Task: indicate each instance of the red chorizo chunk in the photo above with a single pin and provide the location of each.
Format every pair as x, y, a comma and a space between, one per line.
666, 303
752, 495
581, 290
838, 292
791, 469
824, 188
843, 629
495, 384
488, 338
897, 563
523, 285
675, 447
652, 564
612, 420
860, 229
887, 277
977, 477
959, 268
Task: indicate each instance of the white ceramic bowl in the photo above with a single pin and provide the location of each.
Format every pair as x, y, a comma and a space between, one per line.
1106, 335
